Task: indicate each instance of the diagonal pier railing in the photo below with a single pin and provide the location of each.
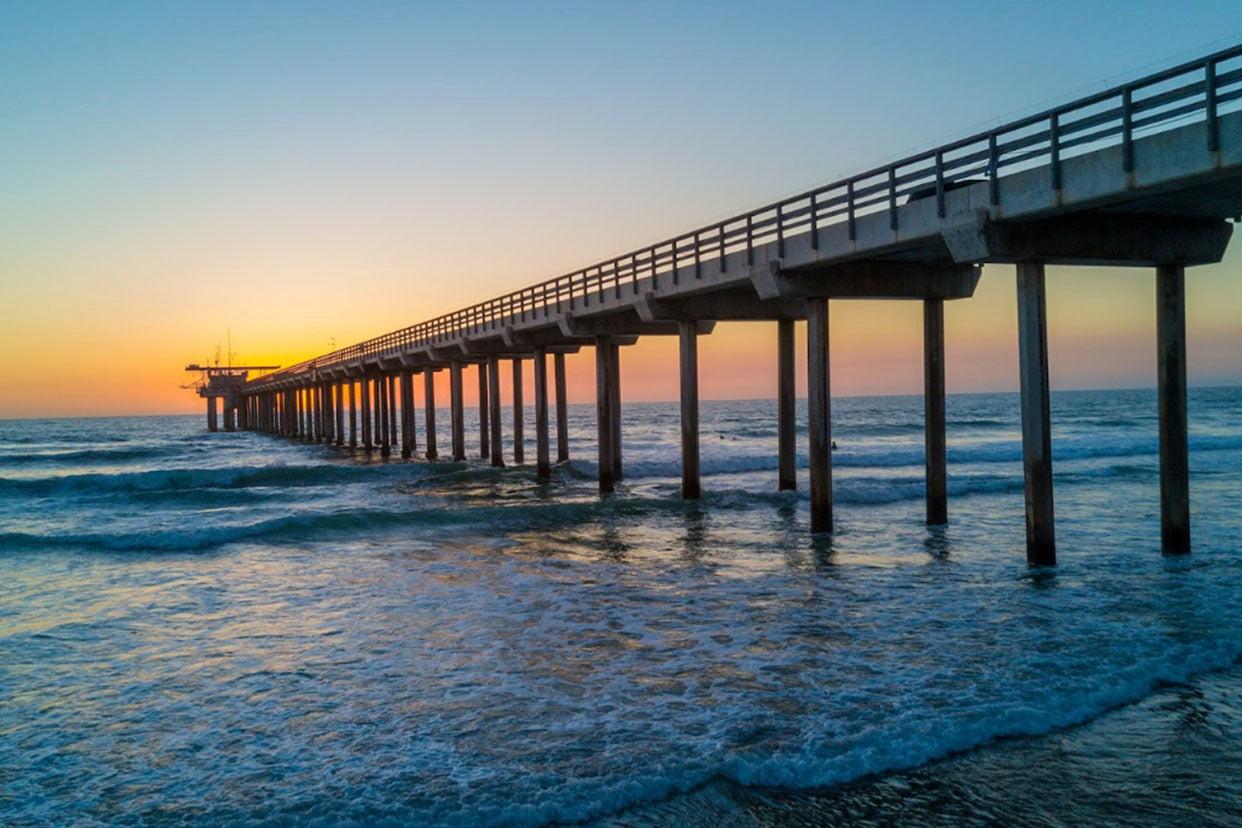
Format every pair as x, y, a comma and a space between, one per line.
1205, 87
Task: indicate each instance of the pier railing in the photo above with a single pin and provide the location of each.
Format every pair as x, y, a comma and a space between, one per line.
1202, 89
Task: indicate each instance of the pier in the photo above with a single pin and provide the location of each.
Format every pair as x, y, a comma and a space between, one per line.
1144, 174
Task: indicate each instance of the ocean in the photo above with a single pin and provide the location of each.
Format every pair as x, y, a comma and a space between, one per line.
234, 628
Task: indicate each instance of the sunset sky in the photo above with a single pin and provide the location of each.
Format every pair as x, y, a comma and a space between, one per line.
304, 173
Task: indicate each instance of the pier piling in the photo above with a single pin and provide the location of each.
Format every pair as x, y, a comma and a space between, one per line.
819, 411
542, 464
604, 413
457, 422
484, 436
562, 410
407, 414
493, 410
688, 336
519, 412
1171, 389
935, 460
429, 411
787, 447
1036, 414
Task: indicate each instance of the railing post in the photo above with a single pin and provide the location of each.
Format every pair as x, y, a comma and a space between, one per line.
892, 198
814, 221
1054, 148
849, 209
1127, 130
939, 184
1213, 124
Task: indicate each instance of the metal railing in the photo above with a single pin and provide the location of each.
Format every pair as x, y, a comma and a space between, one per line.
1204, 87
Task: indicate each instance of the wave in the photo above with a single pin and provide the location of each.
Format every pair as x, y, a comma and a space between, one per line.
96, 455
234, 477
349, 522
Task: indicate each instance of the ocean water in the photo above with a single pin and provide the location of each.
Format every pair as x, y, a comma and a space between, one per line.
204, 628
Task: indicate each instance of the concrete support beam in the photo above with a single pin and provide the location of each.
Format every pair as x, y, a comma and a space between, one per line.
787, 446
1100, 238
353, 414
519, 414
819, 414
934, 412
407, 414
741, 304
484, 432
1171, 375
603, 413
429, 411
542, 460
457, 413
689, 362
562, 410
868, 279
1036, 414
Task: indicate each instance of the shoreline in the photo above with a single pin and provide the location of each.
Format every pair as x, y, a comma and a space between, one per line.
1158, 760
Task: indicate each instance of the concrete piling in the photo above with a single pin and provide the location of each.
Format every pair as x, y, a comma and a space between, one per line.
1171, 391
429, 411
688, 337
562, 412
787, 447
484, 433
935, 460
519, 414
819, 412
542, 464
365, 389
353, 415
457, 417
493, 410
407, 414
603, 413
614, 397
1036, 414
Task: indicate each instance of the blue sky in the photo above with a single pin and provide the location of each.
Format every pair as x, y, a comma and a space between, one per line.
167, 169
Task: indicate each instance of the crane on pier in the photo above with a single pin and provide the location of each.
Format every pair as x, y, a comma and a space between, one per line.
222, 381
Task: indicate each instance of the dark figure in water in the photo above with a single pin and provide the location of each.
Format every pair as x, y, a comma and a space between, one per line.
834, 445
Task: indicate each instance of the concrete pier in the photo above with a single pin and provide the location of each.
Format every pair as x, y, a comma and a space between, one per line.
787, 446
542, 460
1174, 442
1159, 196
493, 410
562, 410
689, 362
603, 413
457, 413
211, 414
934, 412
484, 433
819, 413
1041, 549
519, 414
429, 411
407, 414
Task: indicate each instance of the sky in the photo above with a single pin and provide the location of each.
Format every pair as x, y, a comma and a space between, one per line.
304, 174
